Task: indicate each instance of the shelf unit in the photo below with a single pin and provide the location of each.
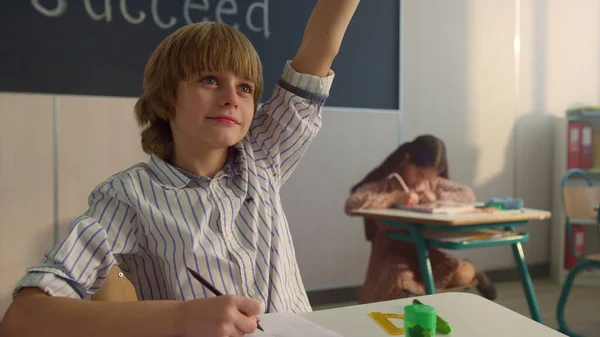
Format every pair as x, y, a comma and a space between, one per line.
559, 274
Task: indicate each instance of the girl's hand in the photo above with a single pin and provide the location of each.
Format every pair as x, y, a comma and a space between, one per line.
426, 196
410, 198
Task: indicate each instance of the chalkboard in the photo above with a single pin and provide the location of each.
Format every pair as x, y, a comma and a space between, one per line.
100, 47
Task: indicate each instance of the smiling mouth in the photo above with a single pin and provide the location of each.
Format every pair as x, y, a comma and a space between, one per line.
227, 120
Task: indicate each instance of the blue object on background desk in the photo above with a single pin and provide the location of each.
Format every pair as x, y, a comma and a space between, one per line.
505, 203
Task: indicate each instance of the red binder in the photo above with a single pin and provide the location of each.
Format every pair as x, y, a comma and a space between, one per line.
587, 152
579, 243
574, 145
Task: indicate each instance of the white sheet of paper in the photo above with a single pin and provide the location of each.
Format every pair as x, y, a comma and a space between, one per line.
290, 325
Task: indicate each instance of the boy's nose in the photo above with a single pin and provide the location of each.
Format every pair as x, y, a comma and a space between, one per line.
229, 97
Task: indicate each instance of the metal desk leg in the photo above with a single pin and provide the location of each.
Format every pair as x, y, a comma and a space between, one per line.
424, 261
526, 280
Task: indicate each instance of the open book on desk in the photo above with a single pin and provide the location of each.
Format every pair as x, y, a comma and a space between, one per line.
290, 325
439, 207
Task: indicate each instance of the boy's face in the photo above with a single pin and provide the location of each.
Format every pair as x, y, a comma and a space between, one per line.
213, 110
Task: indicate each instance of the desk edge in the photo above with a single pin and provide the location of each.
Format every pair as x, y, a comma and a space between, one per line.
458, 222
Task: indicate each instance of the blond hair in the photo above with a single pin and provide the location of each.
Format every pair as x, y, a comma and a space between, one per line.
192, 49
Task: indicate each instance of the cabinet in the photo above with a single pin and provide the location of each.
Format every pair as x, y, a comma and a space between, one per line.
565, 158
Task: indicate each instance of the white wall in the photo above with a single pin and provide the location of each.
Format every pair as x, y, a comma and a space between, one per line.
26, 186
78, 140
330, 246
459, 85
560, 59
462, 82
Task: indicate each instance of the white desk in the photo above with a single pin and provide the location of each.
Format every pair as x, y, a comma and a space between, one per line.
469, 315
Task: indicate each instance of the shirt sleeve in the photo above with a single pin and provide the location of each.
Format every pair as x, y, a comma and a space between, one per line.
78, 265
286, 124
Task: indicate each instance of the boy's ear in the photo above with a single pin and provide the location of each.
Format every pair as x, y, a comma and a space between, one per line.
163, 115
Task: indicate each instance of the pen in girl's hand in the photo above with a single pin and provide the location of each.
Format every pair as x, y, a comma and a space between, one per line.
401, 181
404, 187
212, 289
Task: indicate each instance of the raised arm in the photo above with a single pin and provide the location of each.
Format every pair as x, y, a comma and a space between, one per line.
323, 36
288, 122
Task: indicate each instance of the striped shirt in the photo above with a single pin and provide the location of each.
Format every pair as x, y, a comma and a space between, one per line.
155, 220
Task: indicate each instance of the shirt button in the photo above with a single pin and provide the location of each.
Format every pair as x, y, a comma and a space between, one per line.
252, 292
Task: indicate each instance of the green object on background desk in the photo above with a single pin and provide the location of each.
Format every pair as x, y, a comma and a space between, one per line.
441, 325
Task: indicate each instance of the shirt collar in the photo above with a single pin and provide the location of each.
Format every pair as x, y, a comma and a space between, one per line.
173, 177
237, 157
167, 174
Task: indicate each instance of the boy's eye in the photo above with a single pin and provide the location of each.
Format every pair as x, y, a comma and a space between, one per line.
247, 88
209, 79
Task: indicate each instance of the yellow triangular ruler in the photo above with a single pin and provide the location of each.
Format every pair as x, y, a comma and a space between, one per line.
384, 321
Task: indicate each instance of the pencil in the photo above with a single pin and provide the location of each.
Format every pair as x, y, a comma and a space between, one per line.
212, 289
399, 178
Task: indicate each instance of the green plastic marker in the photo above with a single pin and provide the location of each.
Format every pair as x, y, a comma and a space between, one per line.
441, 325
419, 321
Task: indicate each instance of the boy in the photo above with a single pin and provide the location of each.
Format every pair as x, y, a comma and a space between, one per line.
208, 199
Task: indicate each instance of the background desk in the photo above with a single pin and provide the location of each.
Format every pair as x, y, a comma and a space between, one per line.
415, 222
469, 315
465, 219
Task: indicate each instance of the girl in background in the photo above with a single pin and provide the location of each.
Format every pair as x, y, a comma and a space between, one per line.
394, 270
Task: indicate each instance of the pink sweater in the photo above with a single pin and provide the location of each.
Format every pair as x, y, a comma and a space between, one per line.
383, 193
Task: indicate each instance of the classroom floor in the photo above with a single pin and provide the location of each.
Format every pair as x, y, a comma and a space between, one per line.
582, 312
